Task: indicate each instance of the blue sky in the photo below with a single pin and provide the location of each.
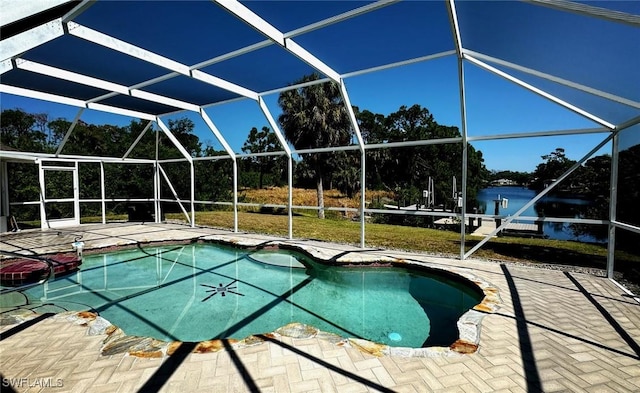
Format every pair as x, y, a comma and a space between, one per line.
494, 106
564, 47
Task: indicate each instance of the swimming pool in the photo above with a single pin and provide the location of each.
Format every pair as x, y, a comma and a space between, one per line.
202, 291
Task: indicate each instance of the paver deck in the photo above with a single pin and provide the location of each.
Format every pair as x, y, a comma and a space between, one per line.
555, 331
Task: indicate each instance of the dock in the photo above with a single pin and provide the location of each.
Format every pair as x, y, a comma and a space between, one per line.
480, 227
488, 225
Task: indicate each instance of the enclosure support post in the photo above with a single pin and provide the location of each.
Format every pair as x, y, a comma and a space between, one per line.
465, 154
235, 196
455, 29
229, 151
4, 191
290, 195
363, 188
44, 222
356, 130
463, 217
156, 181
76, 195
102, 194
613, 201
193, 195
287, 150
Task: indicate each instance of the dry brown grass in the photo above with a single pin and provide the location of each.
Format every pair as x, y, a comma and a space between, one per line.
304, 197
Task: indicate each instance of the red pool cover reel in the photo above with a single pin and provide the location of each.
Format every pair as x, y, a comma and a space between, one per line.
20, 271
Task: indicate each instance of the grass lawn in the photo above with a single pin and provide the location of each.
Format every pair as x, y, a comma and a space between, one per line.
340, 228
408, 238
431, 241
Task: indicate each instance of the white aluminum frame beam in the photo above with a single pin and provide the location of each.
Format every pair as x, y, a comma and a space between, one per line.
351, 113
455, 28
19, 91
69, 131
135, 143
388, 145
156, 179
457, 38
625, 226
264, 27
73, 102
137, 86
232, 54
537, 134
4, 190
79, 9
8, 154
207, 78
552, 78
6, 66
15, 10
22, 42
91, 35
330, 149
193, 194
589, 10
113, 43
217, 134
76, 195
296, 86
259, 154
310, 59
145, 95
274, 126
223, 84
229, 151
613, 205
438, 141
175, 194
102, 84
174, 140
629, 123
383, 67
43, 211
120, 111
340, 17
540, 92
287, 150
103, 194
59, 73
363, 174
544, 192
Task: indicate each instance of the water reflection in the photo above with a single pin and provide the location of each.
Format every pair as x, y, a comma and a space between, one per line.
561, 206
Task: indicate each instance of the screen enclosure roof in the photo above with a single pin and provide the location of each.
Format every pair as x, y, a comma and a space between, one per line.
146, 59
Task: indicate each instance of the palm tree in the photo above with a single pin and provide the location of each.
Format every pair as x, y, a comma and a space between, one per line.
315, 116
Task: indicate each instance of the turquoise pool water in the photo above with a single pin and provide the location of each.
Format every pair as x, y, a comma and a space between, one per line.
199, 292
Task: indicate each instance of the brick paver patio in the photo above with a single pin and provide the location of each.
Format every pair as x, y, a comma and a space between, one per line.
554, 331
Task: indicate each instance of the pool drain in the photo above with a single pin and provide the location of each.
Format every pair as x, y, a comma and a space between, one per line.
393, 336
221, 289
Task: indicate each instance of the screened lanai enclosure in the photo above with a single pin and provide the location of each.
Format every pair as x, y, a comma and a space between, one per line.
498, 85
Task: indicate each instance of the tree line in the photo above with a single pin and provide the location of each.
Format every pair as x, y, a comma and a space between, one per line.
312, 117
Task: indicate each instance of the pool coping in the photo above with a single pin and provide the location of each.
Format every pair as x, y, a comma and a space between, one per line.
469, 324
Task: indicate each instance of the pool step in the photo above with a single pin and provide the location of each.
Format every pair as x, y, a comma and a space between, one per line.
276, 258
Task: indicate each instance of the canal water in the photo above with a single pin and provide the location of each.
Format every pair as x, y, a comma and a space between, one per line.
548, 206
